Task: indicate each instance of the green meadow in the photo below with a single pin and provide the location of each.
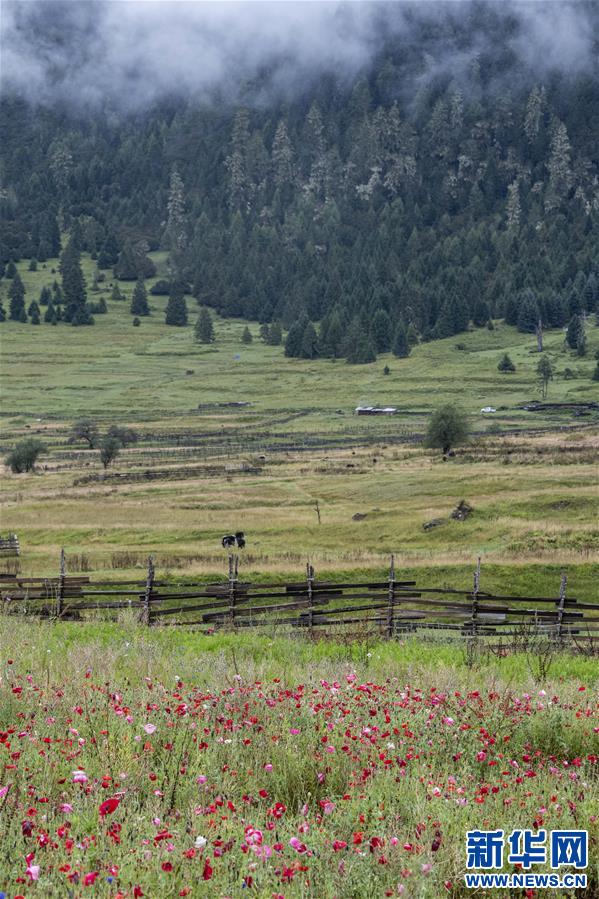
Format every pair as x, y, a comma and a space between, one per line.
531, 477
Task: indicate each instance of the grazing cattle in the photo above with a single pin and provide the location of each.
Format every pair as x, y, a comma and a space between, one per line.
231, 540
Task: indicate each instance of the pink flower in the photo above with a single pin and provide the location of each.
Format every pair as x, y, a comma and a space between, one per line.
268, 767
202, 779
66, 808
149, 728
33, 871
80, 777
294, 730
297, 845
253, 836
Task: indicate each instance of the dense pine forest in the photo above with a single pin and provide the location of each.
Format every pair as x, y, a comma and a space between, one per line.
407, 203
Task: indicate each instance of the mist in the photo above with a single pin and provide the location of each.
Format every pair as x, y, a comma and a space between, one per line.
131, 53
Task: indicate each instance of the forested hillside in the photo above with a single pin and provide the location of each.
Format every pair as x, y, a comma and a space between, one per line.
388, 202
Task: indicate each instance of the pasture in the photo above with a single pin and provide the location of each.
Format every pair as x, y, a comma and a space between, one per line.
202, 468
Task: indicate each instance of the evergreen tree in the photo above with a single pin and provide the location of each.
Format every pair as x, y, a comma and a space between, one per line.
412, 335
511, 310
204, 329
116, 294
57, 294
176, 308
73, 284
359, 347
481, 314
45, 296
275, 334
82, 316
2, 312
574, 332
332, 335
139, 300
506, 364
381, 331
134, 263
529, 314
401, 347
34, 313
176, 236
594, 377
16, 294
293, 342
11, 270
309, 345
50, 313
109, 254
246, 335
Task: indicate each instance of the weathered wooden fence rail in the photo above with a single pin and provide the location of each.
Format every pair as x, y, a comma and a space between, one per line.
390, 607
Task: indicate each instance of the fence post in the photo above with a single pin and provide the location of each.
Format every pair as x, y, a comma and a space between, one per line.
391, 602
145, 611
310, 580
475, 589
233, 569
60, 587
560, 607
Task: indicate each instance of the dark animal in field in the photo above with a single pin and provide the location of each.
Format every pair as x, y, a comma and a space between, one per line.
231, 540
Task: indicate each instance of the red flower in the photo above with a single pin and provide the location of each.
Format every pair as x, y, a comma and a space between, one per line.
207, 872
166, 866
109, 806
338, 845
90, 878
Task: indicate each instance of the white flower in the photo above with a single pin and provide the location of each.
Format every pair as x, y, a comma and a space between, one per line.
200, 842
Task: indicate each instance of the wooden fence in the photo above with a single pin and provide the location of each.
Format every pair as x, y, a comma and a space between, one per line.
390, 607
9, 546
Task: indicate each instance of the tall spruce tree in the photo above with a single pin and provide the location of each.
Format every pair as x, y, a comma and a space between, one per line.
139, 300
73, 284
401, 347
16, 295
204, 328
176, 308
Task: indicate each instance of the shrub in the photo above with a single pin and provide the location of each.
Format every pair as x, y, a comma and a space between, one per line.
25, 454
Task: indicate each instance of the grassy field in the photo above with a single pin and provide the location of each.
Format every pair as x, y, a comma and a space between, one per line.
278, 769
534, 494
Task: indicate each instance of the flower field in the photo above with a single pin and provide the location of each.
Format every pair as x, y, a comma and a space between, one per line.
130, 768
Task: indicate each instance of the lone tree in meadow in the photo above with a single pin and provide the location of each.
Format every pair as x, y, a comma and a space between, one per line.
85, 429
506, 364
246, 336
176, 308
110, 447
545, 372
25, 454
204, 329
139, 300
448, 427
